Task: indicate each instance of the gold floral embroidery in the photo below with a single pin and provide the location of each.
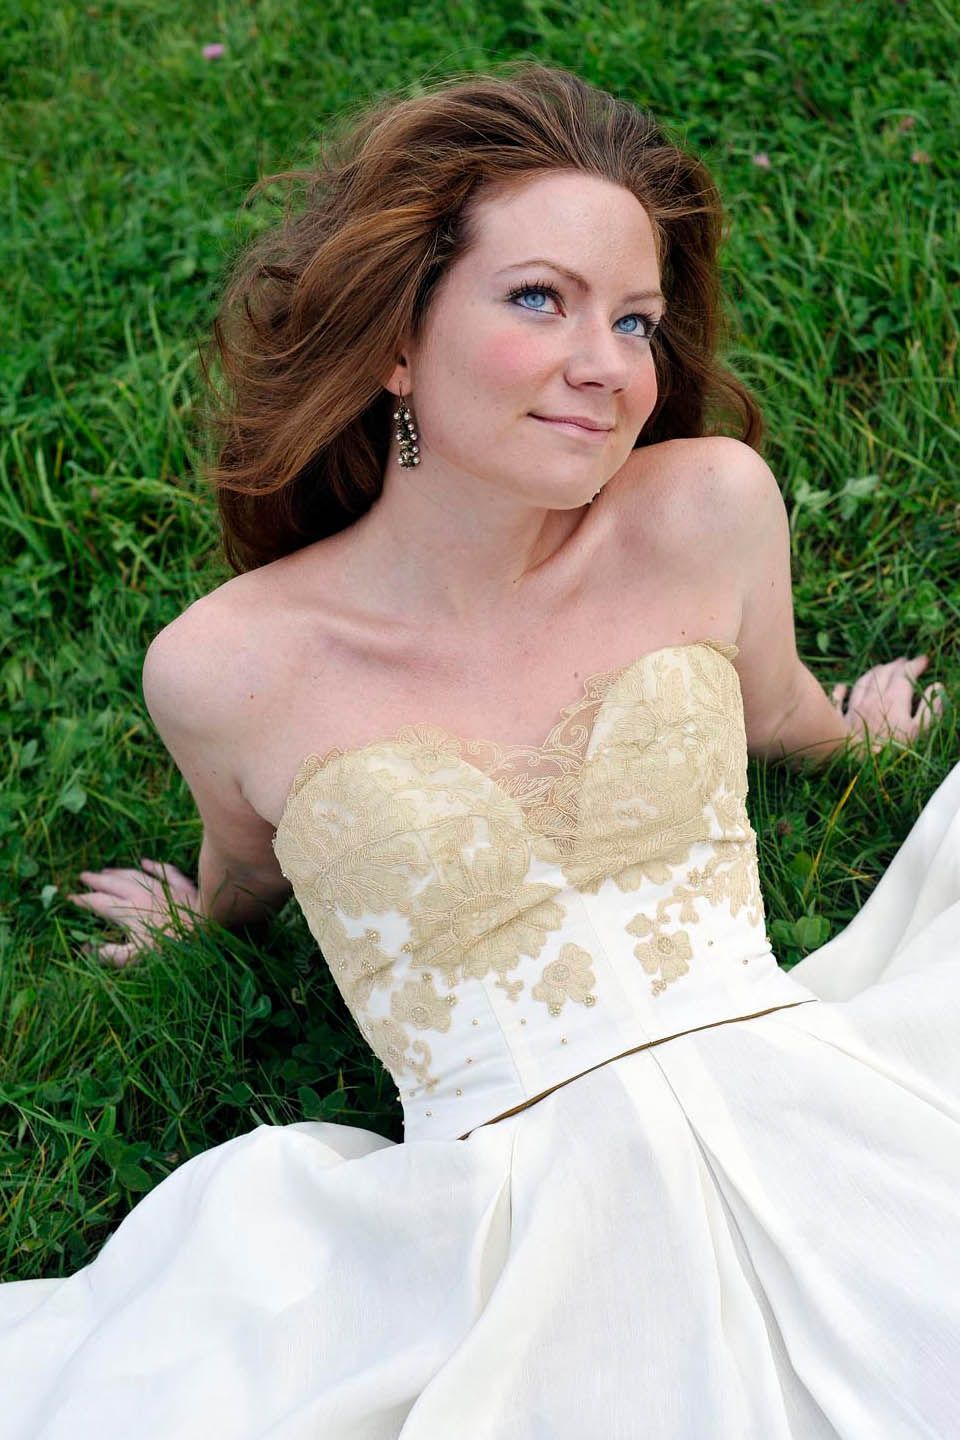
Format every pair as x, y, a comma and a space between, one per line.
569, 977
729, 875
391, 1043
360, 964
445, 835
418, 1002
401, 818
665, 956
685, 766
482, 916
668, 746
356, 848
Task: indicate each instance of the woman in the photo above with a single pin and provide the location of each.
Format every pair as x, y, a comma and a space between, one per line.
506, 622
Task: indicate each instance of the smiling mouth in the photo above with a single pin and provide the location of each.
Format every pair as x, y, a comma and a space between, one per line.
573, 427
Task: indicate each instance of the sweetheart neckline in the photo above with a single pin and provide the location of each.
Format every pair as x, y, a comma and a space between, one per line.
718, 647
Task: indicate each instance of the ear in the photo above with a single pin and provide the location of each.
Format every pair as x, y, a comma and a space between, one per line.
399, 377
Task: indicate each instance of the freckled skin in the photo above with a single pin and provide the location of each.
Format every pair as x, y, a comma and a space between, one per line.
485, 361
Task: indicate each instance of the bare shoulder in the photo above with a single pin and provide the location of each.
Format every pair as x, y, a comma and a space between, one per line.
185, 659
709, 487
204, 676
197, 669
720, 500
712, 508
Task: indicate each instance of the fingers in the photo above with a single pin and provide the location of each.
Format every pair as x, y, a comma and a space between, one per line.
138, 889
930, 704
863, 686
163, 868
124, 884
882, 700
929, 701
168, 874
152, 901
104, 903
116, 955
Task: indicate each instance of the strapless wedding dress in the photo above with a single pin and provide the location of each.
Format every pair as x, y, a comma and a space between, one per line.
652, 1186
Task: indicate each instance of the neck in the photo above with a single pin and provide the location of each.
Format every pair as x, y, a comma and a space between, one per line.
463, 559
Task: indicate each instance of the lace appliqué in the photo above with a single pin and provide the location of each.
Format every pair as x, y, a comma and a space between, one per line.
673, 766
405, 831
441, 835
569, 977
663, 955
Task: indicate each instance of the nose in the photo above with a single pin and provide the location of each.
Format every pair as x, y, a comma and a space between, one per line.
598, 356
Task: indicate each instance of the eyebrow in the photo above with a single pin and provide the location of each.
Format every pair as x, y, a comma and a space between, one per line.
578, 279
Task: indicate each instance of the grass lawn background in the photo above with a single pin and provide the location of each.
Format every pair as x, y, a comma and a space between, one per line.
125, 156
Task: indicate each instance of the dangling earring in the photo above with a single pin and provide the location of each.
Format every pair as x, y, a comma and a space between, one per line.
407, 435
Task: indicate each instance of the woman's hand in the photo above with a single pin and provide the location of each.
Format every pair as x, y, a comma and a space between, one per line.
881, 700
142, 902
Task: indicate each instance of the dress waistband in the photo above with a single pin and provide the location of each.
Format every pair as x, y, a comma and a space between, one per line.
648, 1045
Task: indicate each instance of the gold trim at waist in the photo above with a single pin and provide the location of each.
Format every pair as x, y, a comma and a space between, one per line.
648, 1045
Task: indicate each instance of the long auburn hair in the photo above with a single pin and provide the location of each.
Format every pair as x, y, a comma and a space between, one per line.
315, 307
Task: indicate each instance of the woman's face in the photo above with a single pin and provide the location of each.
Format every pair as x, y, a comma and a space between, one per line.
515, 346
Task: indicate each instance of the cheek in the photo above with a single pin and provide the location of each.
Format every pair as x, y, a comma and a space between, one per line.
644, 391
505, 358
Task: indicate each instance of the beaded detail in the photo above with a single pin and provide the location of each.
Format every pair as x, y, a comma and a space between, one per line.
426, 864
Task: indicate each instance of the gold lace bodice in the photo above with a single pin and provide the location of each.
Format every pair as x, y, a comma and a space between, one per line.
499, 917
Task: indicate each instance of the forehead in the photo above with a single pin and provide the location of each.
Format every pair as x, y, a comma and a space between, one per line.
569, 216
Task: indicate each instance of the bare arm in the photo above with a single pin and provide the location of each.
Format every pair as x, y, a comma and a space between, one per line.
239, 879
193, 704
787, 713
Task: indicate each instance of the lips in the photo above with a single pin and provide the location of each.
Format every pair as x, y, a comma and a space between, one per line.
582, 421
584, 431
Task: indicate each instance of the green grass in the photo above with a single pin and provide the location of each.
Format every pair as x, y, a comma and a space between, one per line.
124, 160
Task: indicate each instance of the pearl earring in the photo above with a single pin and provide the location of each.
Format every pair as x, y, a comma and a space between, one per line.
406, 434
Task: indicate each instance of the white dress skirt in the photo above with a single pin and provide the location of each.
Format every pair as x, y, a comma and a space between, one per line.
652, 1186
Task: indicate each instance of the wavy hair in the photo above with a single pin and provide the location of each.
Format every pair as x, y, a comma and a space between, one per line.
316, 307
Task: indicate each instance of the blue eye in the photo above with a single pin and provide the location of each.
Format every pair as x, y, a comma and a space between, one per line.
540, 292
